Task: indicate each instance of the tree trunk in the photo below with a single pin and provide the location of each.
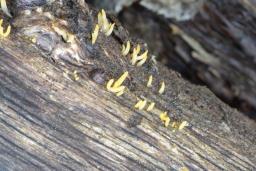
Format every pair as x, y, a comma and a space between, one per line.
56, 113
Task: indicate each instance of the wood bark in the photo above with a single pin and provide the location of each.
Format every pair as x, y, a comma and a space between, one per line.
216, 47
50, 121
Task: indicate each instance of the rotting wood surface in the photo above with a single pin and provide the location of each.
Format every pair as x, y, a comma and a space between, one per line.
49, 121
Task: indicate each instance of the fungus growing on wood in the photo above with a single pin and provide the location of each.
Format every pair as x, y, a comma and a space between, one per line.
7, 32
150, 80
126, 49
4, 8
135, 53
105, 27
140, 59
165, 118
95, 34
182, 125
140, 104
117, 87
162, 88
151, 106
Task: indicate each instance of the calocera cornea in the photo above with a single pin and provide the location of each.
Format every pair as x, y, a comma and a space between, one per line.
179, 125
141, 59
140, 104
116, 86
126, 49
151, 106
135, 53
7, 32
165, 118
4, 8
182, 125
162, 88
105, 27
150, 80
95, 33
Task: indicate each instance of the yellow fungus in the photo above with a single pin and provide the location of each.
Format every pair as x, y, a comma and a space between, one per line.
105, 27
167, 121
95, 33
151, 106
162, 88
110, 29
100, 21
135, 58
109, 84
165, 118
150, 80
4, 8
33, 39
143, 56
135, 53
121, 79
126, 49
7, 32
183, 125
103, 21
143, 104
143, 60
120, 93
137, 105
117, 87
140, 104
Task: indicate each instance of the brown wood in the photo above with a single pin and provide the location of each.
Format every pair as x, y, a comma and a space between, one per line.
49, 121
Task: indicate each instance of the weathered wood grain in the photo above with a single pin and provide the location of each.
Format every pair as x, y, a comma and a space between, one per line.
51, 122
215, 48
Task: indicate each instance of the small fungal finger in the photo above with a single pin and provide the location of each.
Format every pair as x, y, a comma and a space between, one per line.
110, 29
151, 106
109, 84
4, 8
142, 105
167, 122
135, 53
126, 49
138, 104
150, 80
121, 79
142, 61
165, 118
100, 20
144, 55
183, 125
120, 93
162, 88
117, 89
95, 34
7, 32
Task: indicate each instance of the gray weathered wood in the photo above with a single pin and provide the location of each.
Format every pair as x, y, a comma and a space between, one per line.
52, 122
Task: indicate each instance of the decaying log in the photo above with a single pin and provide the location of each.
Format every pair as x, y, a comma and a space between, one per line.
217, 46
51, 121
